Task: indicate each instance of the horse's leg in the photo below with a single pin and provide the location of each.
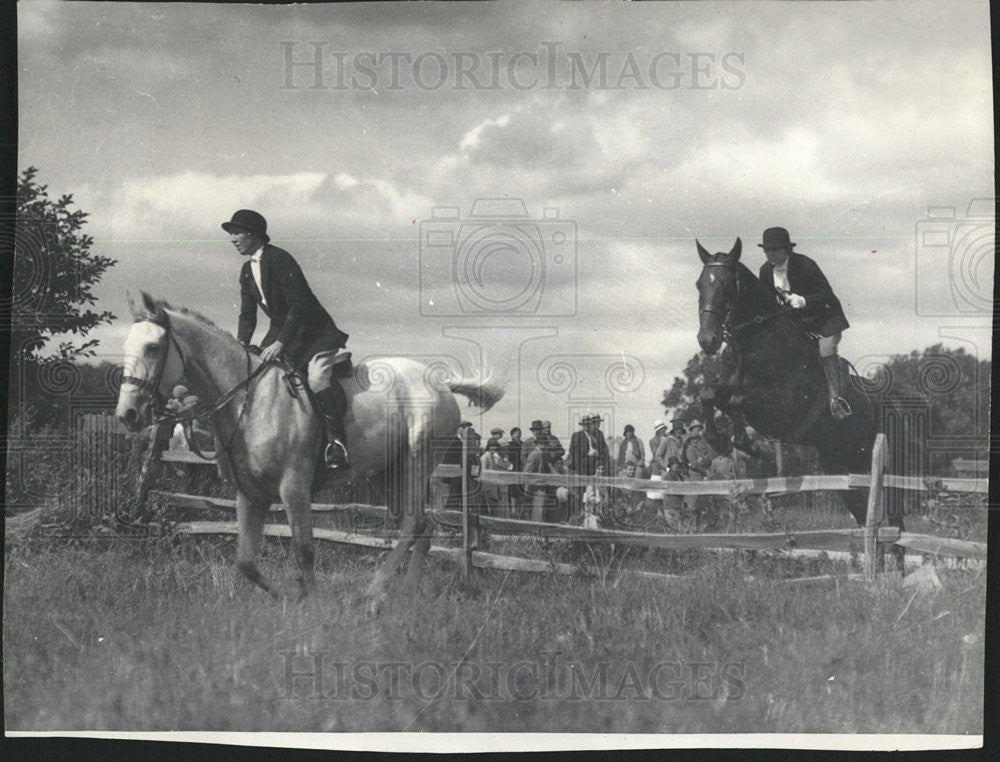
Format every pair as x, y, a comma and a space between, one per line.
294, 491
417, 476
250, 520
393, 561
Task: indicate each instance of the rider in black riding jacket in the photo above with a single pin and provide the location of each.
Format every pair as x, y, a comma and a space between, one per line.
798, 282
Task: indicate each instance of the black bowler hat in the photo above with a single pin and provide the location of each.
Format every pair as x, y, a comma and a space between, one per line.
776, 238
249, 219
536, 426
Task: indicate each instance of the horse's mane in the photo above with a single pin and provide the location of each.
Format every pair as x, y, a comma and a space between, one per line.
756, 288
198, 318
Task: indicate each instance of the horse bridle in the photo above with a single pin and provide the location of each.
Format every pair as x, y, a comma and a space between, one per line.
729, 332
151, 387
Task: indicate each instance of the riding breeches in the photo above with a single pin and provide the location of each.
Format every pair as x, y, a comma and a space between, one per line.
827, 346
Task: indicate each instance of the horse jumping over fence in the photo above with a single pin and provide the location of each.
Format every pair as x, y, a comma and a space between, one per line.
778, 386
268, 440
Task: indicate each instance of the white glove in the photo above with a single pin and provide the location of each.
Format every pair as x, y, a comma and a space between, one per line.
797, 302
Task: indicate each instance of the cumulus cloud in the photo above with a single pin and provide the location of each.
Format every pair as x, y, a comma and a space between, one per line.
150, 205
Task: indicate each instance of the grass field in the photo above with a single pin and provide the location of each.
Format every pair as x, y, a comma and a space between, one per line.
158, 635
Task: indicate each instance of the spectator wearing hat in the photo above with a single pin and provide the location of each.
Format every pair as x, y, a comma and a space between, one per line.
514, 452
301, 330
496, 434
672, 444
698, 457
492, 494
463, 440
656, 466
797, 281
537, 437
537, 462
671, 454
587, 448
631, 449
556, 450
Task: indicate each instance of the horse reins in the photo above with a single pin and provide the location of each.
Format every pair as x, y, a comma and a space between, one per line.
202, 411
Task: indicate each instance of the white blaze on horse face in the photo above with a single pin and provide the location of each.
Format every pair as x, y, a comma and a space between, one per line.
141, 354
711, 277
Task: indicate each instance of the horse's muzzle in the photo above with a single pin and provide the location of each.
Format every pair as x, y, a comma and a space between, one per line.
709, 341
132, 418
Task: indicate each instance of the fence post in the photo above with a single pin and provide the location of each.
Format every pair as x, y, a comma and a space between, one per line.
876, 509
159, 436
466, 529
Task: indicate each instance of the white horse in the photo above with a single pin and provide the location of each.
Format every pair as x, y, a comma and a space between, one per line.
268, 442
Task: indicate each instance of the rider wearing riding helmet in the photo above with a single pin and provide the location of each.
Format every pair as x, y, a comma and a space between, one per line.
798, 282
301, 330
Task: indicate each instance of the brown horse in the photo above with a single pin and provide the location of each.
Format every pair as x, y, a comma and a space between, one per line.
268, 440
777, 385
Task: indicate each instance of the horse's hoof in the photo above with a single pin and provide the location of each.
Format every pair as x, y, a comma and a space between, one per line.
375, 606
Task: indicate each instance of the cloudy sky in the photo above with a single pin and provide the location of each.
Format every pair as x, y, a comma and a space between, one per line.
625, 130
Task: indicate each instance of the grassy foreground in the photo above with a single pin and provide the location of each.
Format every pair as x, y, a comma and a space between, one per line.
145, 635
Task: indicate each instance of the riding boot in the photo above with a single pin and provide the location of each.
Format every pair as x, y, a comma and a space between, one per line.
835, 381
333, 403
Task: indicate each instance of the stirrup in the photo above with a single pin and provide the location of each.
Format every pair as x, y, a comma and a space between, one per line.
335, 455
839, 408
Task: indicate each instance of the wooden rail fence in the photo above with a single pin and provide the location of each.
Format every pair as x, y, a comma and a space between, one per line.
873, 536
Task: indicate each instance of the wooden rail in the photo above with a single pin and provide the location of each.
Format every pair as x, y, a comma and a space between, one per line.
873, 536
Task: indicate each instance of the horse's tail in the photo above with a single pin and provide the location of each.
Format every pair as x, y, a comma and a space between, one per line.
484, 394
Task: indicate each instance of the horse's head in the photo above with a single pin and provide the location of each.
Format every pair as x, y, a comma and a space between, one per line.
718, 287
151, 369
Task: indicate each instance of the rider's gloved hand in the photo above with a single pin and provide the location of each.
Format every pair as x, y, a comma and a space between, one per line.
796, 302
271, 351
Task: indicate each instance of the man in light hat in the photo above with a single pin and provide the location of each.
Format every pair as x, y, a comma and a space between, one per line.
697, 460
496, 434
587, 447
301, 330
797, 281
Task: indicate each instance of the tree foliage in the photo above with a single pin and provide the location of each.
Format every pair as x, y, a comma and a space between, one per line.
701, 371
53, 279
52, 307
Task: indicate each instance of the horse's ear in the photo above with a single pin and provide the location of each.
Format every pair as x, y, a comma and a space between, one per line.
702, 252
132, 308
736, 250
152, 309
